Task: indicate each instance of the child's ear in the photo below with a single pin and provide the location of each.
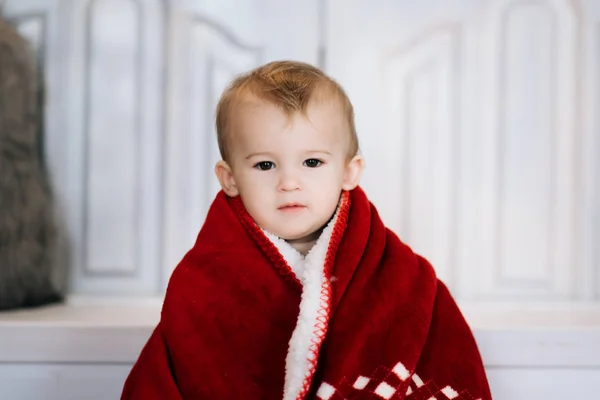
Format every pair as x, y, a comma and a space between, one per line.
353, 172
225, 177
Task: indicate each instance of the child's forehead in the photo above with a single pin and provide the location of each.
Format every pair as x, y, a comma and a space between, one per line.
259, 125
252, 106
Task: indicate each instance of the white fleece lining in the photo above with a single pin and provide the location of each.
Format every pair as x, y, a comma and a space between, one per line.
313, 280
292, 256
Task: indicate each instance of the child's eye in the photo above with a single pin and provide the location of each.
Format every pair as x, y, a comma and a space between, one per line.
312, 163
265, 165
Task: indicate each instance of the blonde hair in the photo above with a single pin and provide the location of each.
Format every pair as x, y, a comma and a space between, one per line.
290, 85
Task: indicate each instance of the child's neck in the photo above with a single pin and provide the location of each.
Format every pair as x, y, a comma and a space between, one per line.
303, 245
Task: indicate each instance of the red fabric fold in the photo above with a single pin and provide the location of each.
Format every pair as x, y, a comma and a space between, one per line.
393, 329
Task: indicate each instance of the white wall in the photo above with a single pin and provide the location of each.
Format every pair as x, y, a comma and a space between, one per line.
478, 120
131, 91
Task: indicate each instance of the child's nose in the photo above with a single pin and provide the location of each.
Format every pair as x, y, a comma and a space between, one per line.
288, 181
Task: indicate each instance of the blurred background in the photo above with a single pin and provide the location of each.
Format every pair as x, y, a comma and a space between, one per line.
479, 121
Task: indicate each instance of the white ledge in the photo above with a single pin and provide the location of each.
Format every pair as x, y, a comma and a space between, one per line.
547, 335
83, 330
98, 330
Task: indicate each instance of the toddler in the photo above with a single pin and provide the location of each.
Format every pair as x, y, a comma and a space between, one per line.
294, 288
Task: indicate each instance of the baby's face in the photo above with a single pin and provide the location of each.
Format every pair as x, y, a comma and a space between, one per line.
290, 171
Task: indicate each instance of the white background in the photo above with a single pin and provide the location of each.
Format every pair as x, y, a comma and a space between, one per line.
478, 120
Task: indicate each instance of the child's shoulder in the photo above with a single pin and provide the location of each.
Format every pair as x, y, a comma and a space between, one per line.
407, 258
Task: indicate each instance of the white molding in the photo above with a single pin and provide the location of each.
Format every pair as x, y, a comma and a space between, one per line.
204, 56
424, 79
98, 330
528, 243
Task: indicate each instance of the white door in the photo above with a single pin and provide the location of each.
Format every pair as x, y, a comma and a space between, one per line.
475, 118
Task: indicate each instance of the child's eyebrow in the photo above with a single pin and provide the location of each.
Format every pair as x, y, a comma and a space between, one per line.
267, 154
262, 153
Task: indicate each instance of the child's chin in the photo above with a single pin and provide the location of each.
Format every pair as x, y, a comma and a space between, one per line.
292, 236
300, 236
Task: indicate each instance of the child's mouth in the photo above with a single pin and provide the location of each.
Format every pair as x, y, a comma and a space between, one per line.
291, 207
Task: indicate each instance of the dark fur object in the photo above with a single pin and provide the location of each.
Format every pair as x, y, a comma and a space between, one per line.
27, 230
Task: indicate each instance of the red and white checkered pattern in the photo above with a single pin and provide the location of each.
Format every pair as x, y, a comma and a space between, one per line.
388, 384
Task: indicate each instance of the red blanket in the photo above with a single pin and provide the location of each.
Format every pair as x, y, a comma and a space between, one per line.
362, 317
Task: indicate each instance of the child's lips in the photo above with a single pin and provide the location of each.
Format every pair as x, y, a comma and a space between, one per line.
292, 207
